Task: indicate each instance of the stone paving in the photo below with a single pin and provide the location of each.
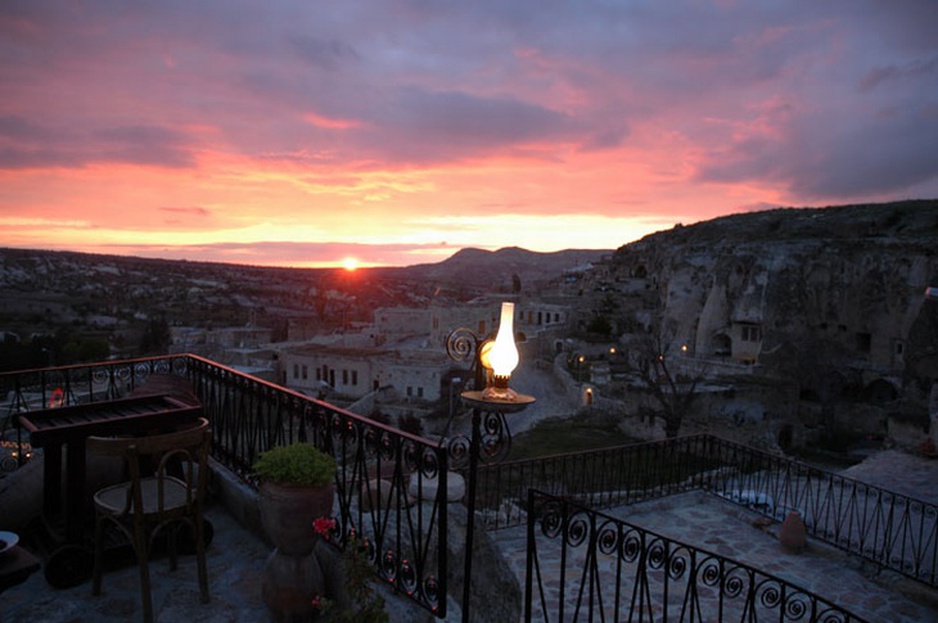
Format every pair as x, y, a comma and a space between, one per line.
235, 560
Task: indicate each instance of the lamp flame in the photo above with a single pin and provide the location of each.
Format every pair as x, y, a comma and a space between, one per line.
504, 354
502, 357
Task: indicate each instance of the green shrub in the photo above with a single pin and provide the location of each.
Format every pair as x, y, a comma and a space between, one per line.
299, 464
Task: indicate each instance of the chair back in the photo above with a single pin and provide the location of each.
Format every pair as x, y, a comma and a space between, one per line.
181, 455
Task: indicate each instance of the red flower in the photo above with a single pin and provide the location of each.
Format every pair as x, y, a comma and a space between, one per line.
323, 526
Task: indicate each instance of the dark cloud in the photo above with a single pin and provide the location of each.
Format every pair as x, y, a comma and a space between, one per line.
604, 139
916, 69
28, 144
423, 125
815, 158
25, 144
325, 53
22, 129
144, 144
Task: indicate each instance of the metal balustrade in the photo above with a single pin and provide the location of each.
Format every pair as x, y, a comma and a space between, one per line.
892, 530
379, 465
596, 478
611, 570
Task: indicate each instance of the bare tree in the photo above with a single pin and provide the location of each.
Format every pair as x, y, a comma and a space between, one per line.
673, 392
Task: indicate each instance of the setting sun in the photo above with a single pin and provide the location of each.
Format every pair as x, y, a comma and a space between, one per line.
350, 264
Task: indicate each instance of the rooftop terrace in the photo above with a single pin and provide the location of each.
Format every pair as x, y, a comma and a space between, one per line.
726, 503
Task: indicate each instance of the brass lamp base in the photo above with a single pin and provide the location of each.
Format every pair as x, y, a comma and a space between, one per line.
517, 403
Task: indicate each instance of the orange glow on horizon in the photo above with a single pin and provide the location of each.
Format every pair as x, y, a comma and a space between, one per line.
350, 264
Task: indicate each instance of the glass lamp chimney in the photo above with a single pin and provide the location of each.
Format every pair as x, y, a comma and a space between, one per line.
503, 356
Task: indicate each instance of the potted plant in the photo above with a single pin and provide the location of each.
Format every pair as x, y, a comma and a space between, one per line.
297, 485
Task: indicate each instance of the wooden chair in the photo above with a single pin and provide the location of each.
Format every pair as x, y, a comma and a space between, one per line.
150, 506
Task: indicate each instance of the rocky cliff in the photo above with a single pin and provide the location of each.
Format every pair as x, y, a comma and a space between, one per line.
830, 298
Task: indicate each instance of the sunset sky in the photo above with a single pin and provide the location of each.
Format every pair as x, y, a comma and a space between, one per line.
300, 132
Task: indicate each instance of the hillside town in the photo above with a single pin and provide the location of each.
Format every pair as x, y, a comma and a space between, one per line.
765, 381
786, 328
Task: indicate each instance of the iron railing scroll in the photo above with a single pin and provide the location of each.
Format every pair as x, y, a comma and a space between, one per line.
583, 565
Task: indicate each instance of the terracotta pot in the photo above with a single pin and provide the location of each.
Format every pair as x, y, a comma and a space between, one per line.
290, 583
793, 535
287, 514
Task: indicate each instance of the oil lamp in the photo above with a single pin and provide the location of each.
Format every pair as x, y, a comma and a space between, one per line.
501, 357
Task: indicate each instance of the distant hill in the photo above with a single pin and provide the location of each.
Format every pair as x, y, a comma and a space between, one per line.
479, 268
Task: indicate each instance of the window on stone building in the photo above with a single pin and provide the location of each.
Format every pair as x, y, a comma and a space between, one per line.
419, 392
345, 377
305, 372
296, 370
410, 391
751, 333
354, 377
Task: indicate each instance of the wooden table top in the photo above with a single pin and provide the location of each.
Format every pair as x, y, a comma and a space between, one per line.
111, 417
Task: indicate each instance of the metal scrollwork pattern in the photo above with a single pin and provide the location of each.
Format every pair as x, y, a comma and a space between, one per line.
461, 344
552, 518
495, 442
458, 448
602, 556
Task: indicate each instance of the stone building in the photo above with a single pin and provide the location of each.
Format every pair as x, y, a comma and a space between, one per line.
354, 372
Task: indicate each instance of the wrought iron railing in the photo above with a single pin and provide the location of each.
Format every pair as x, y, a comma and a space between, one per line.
387, 488
892, 530
583, 565
895, 531
597, 478
388, 468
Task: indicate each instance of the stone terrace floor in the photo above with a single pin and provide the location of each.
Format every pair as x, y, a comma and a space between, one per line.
236, 558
